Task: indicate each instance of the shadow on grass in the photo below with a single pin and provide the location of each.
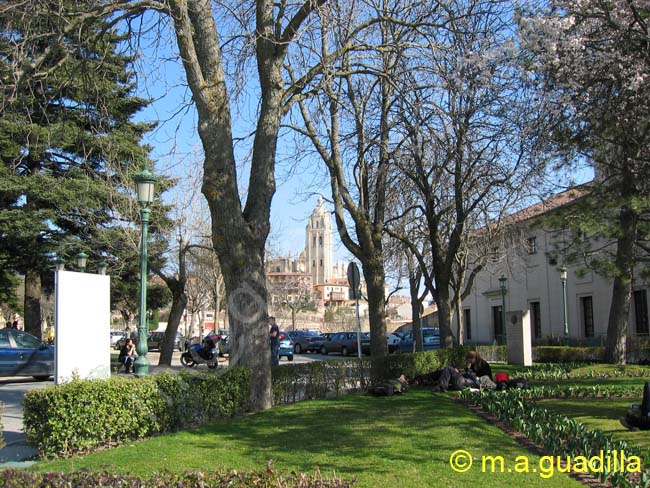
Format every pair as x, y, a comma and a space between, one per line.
601, 414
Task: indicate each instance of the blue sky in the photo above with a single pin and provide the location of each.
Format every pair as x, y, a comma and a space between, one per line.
176, 144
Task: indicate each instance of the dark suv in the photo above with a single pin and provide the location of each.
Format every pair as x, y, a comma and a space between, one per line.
345, 343
303, 340
154, 341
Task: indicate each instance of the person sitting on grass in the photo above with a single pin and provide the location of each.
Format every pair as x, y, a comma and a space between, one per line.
477, 375
478, 365
639, 419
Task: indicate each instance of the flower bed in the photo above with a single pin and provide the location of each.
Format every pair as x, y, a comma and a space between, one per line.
557, 434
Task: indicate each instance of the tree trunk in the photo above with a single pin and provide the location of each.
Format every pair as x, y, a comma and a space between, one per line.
32, 303
622, 289
444, 315
416, 306
248, 318
179, 302
373, 273
460, 325
293, 319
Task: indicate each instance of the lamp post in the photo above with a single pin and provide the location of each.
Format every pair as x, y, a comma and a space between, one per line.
145, 181
502, 281
59, 263
82, 259
563, 275
102, 266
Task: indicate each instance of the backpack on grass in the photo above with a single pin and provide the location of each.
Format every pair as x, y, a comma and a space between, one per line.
388, 388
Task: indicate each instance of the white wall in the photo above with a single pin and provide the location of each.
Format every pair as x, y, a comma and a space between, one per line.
83, 322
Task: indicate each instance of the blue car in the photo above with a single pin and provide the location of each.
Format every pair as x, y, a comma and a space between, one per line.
430, 338
22, 354
286, 346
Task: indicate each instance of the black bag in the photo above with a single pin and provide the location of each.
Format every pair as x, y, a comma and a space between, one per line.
383, 389
518, 384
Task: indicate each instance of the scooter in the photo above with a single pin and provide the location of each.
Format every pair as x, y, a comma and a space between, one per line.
196, 354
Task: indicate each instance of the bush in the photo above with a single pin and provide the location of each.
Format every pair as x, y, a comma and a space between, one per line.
87, 414
233, 479
319, 379
562, 354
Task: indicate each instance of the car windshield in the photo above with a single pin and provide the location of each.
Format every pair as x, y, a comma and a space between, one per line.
311, 333
430, 332
26, 341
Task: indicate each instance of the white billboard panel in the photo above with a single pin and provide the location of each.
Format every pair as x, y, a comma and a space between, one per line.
83, 320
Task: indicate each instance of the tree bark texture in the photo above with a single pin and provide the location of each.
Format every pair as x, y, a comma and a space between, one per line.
32, 303
373, 273
179, 303
622, 289
416, 306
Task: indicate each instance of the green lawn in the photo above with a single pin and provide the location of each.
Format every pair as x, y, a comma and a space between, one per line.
396, 441
600, 414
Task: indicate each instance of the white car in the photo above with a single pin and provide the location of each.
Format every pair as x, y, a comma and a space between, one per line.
393, 342
116, 335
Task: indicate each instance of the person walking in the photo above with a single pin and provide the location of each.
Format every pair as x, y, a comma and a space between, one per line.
274, 339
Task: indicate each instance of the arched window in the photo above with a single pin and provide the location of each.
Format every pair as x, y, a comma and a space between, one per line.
320, 241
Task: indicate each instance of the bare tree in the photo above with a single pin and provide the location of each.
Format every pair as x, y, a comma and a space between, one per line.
467, 155
291, 291
349, 123
216, 40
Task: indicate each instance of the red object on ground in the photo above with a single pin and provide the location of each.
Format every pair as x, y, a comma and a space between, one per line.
500, 377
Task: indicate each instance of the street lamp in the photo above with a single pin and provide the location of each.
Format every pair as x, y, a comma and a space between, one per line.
145, 182
102, 266
563, 275
82, 259
502, 281
59, 263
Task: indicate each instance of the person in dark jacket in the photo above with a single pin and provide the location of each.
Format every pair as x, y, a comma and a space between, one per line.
639, 420
274, 340
127, 355
478, 365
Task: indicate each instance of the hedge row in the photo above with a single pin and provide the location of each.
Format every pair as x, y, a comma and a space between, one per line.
87, 414
546, 354
562, 354
319, 379
233, 479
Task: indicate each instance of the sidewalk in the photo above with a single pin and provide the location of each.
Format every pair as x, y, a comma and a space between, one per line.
17, 453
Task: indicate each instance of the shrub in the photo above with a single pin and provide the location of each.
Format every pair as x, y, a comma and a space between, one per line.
319, 379
561, 354
87, 414
233, 479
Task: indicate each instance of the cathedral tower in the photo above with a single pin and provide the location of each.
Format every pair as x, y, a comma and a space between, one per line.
318, 245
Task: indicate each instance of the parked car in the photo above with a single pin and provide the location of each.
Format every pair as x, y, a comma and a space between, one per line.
430, 338
224, 345
345, 343
316, 344
22, 354
116, 335
154, 341
286, 346
393, 342
303, 339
